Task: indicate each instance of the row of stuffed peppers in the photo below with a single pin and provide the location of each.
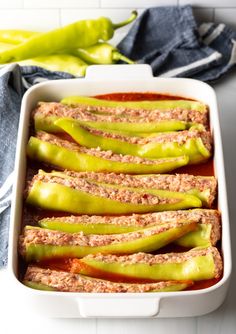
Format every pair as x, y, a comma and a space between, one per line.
100, 255
121, 139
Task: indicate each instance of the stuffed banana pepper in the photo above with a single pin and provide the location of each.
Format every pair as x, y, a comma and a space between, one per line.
194, 143
196, 264
100, 193
52, 280
37, 244
159, 116
208, 230
63, 154
203, 187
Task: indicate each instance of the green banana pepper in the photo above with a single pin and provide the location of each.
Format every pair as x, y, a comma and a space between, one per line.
175, 286
205, 190
80, 34
200, 237
16, 36
199, 264
95, 103
194, 148
38, 286
48, 123
63, 224
61, 62
75, 245
51, 280
55, 196
5, 46
78, 160
101, 53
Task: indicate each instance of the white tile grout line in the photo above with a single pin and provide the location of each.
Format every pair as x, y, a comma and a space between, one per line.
214, 15
60, 20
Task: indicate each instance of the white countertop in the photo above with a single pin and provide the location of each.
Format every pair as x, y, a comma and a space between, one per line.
222, 321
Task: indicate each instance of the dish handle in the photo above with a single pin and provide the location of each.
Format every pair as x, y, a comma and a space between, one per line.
116, 72
114, 307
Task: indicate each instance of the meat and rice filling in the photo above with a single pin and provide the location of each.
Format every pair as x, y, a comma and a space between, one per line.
201, 216
97, 152
180, 137
34, 236
176, 183
121, 194
150, 259
115, 115
68, 282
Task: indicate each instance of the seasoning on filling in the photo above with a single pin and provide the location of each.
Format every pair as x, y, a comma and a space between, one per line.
44, 279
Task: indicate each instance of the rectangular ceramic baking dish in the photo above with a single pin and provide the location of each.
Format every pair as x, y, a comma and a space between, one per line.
102, 80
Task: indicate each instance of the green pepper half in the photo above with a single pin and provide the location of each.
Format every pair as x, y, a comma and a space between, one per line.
206, 233
51, 280
193, 147
48, 123
38, 244
65, 155
197, 264
62, 193
144, 105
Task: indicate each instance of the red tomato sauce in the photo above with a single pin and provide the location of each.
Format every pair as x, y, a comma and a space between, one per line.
139, 97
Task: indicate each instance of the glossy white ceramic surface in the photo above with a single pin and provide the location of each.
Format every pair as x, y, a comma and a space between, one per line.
101, 80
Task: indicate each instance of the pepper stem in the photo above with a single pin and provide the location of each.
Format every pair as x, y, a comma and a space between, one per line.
118, 56
133, 16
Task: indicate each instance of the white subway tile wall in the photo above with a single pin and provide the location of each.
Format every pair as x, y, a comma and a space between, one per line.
61, 3
29, 19
136, 3
227, 16
11, 3
48, 14
209, 3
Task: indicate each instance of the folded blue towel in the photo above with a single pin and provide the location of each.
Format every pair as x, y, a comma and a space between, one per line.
167, 38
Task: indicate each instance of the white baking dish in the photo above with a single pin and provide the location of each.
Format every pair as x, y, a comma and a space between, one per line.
101, 80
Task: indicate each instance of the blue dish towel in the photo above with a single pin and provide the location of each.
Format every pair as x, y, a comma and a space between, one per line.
167, 38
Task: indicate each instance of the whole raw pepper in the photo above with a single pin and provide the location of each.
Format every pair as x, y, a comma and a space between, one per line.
196, 264
63, 63
100, 53
51, 280
80, 34
38, 244
194, 148
53, 192
5, 46
65, 155
16, 36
